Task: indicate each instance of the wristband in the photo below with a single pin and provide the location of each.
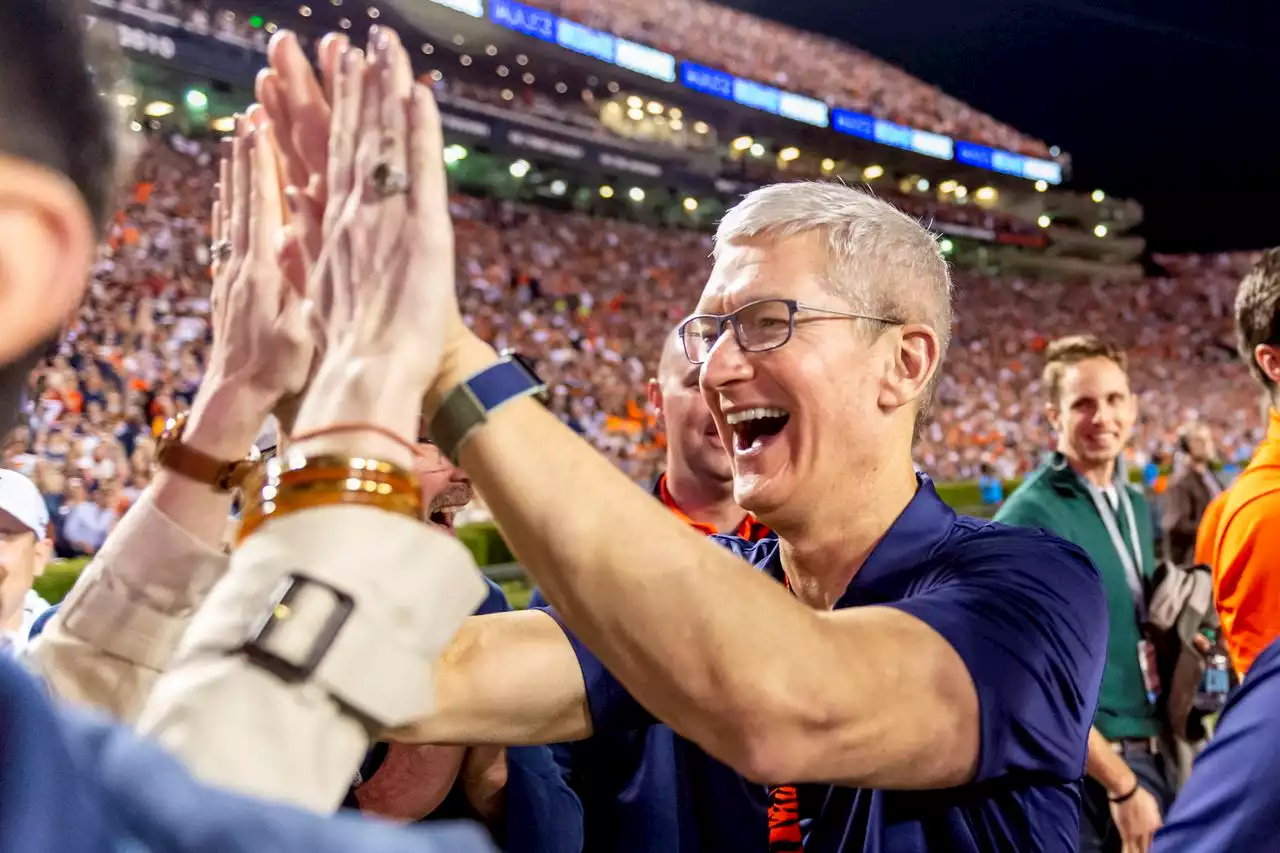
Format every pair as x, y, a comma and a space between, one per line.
1124, 797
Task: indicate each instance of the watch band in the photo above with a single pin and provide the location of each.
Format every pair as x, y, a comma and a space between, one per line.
196, 465
467, 406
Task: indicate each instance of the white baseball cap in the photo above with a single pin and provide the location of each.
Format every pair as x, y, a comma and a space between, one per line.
21, 502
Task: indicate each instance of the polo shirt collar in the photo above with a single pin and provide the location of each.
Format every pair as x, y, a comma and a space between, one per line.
911, 539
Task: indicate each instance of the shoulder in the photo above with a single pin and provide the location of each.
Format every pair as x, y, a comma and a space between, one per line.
41, 621
1030, 503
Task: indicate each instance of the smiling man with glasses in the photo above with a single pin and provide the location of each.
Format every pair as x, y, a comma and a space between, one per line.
892, 677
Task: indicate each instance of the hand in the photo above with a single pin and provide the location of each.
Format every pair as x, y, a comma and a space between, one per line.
1137, 819
484, 781
383, 283
261, 345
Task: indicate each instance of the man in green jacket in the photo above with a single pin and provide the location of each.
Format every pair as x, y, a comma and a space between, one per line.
1079, 494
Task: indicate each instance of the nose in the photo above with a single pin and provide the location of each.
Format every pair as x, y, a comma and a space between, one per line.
726, 364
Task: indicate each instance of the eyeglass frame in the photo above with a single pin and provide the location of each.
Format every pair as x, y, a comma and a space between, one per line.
793, 306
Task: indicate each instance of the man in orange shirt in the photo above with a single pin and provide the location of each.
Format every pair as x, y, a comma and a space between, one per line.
1246, 574
1207, 531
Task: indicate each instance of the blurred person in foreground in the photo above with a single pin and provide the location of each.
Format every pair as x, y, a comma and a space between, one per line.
962, 657
1231, 802
1080, 493
635, 791
1246, 543
69, 781
25, 549
1189, 494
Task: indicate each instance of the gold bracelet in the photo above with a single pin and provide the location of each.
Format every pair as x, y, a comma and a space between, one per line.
255, 516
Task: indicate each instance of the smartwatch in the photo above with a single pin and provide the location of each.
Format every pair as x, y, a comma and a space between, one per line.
466, 408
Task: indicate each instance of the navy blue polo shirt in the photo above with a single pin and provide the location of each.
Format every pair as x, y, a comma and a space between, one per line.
1232, 800
1025, 611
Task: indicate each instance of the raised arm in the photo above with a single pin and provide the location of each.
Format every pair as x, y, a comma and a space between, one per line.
117, 630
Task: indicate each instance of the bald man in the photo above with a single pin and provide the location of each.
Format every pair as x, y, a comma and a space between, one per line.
630, 786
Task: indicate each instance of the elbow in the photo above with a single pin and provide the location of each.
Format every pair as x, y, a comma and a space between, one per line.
769, 738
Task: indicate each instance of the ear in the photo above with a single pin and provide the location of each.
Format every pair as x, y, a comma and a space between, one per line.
1054, 416
653, 391
1268, 358
46, 248
915, 362
44, 553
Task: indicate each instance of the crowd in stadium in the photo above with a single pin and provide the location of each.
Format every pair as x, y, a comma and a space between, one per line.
758, 49
592, 299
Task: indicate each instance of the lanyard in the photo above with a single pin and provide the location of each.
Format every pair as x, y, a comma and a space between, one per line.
1130, 552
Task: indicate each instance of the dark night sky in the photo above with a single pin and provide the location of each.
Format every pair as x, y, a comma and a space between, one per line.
1171, 102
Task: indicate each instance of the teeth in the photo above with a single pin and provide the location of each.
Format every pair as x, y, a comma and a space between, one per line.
735, 418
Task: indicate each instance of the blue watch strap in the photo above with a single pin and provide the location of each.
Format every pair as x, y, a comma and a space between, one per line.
468, 405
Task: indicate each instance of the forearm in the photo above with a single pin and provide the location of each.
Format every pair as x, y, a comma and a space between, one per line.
120, 625
640, 602
1106, 767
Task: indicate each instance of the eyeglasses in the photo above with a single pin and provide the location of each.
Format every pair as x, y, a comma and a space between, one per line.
759, 326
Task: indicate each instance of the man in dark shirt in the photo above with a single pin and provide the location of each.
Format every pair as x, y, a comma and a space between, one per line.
635, 795
902, 679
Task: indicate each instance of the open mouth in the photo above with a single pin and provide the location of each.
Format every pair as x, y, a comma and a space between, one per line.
753, 429
442, 518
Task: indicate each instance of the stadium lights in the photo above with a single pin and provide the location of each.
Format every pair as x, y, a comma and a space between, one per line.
459, 40
923, 185
946, 246
157, 109
271, 27
508, 95
655, 108
1044, 221
464, 60
336, 2
742, 143
1100, 230
828, 165
491, 50
635, 102
345, 23
872, 172
677, 124
527, 78
675, 113
454, 153
125, 100
757, 150
562, 87
558, 187
948, 186
135, 127
635, 115
788, 154
636, 194
1042, 186
196, 99
614, 87
503, 71
373, 12
304, 11
606, 191
962, 191
226, 124
519, 168
986, 194
521, 59
700, 127
428, 49
1054, 151
438, 75
1099, 196
690, 204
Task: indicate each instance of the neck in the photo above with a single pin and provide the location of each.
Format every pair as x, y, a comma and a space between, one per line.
1199, 466
821, 555
1099, 473
14, 622
703, 499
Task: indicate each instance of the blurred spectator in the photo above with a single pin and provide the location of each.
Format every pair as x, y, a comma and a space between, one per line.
88, 522
25, 550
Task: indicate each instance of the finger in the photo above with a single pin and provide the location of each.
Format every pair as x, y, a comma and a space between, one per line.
394, 84
305, 101
428, 185
240, 190
331, 49
349, 84
267, 89
268, 219
222, 208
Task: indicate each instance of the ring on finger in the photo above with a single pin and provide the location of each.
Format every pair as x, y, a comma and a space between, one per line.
388, 181
220, 250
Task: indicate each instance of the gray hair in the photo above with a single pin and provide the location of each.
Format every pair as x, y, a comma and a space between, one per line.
884, 262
